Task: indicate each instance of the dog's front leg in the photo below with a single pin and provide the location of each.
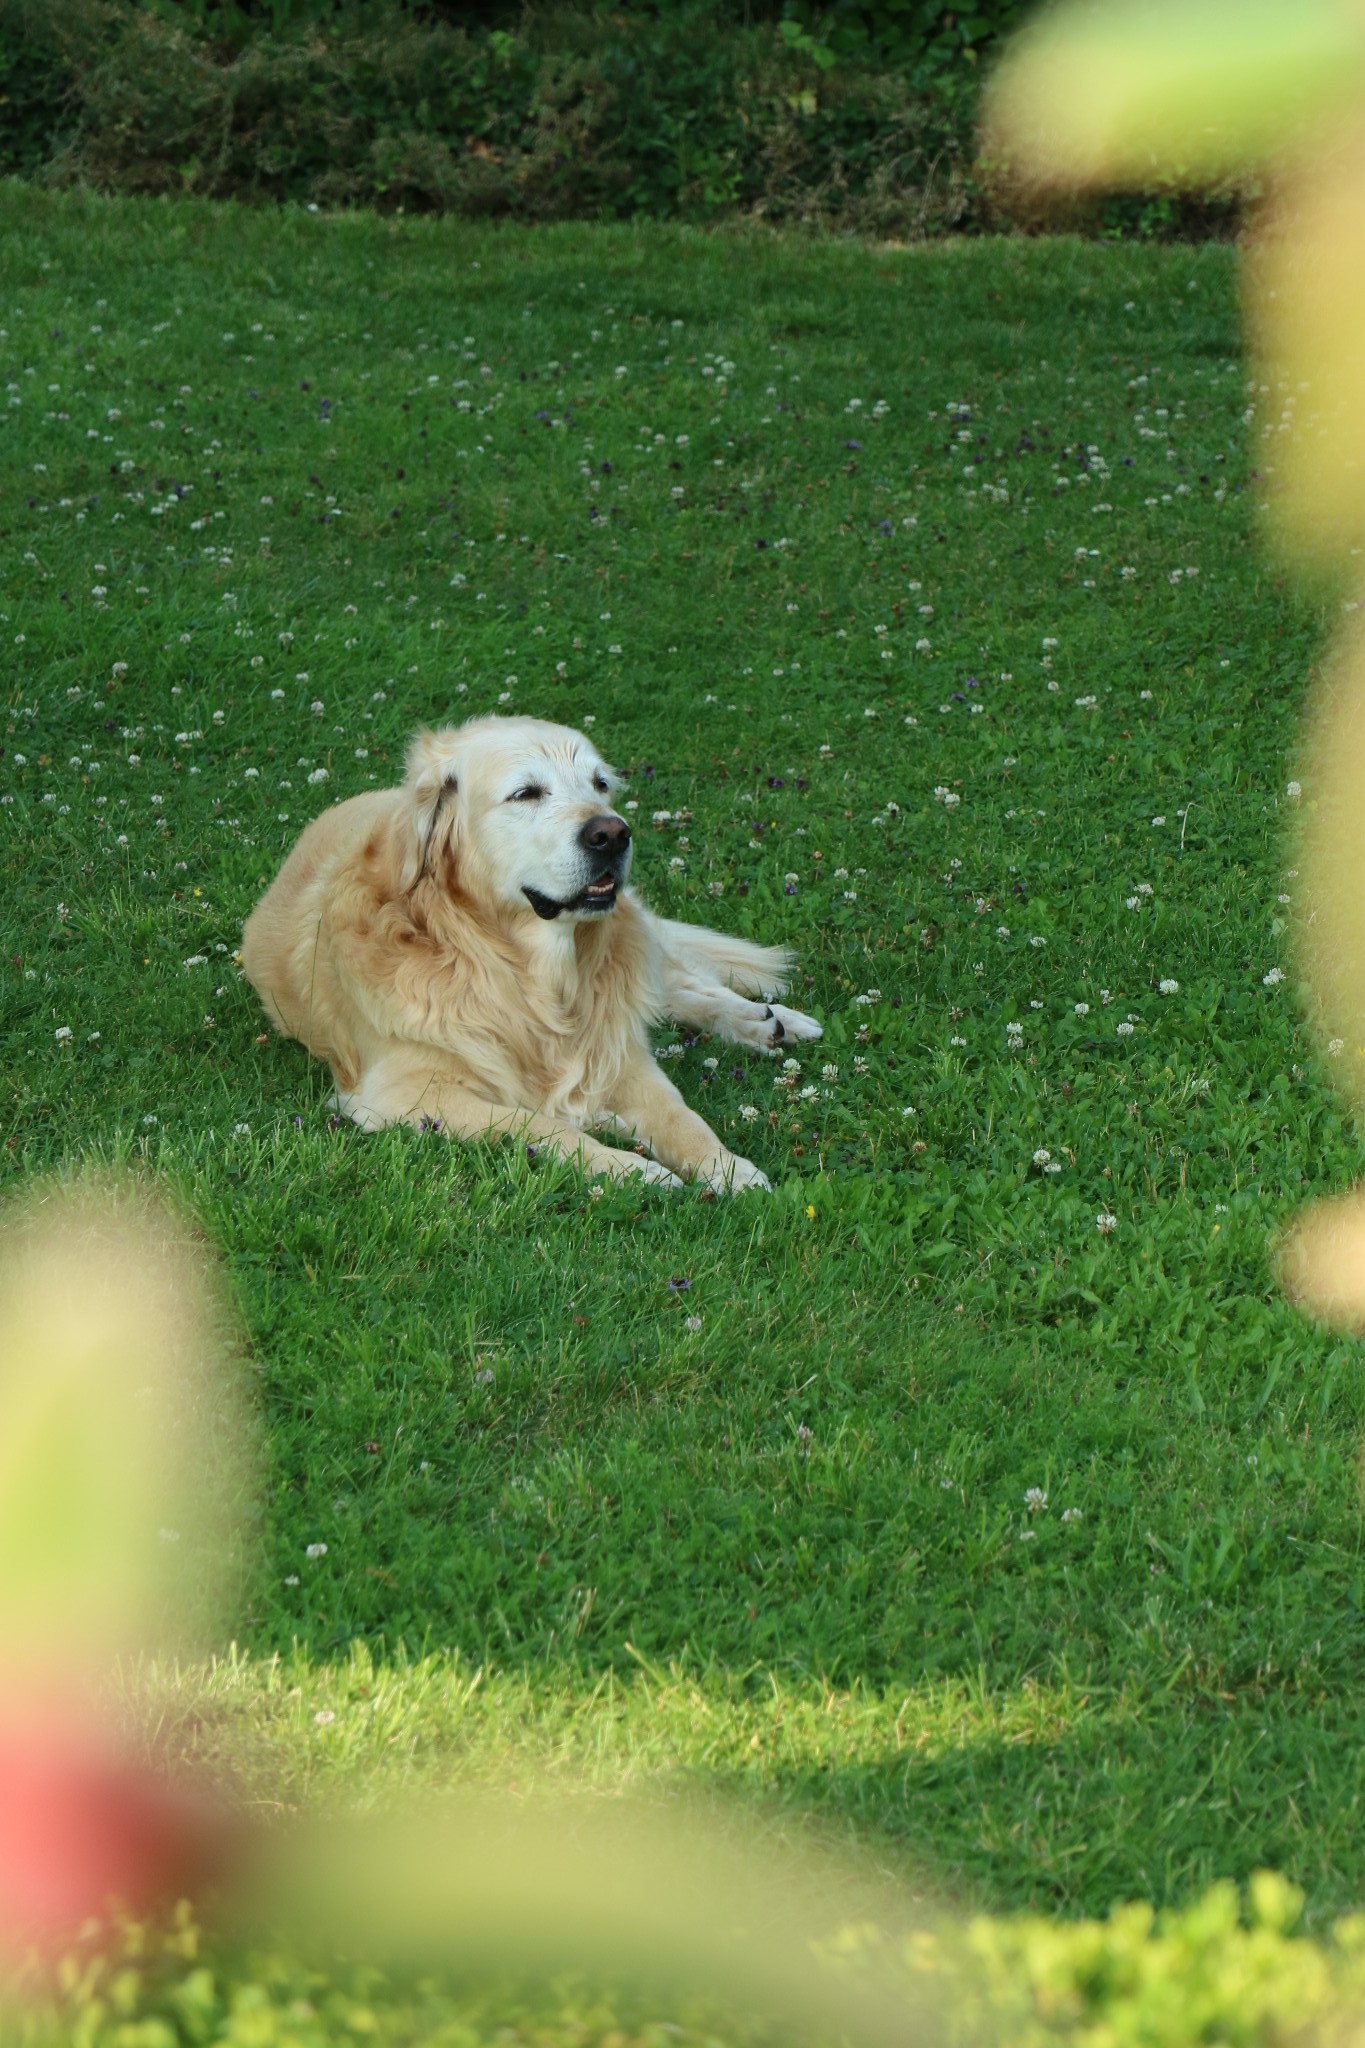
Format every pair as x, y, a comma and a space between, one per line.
648, 1107
419, 1086
708, 1005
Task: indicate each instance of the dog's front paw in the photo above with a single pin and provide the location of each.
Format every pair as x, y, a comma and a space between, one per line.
766, 1026
649, 1169
735, 1177
790, 1026
368, 1120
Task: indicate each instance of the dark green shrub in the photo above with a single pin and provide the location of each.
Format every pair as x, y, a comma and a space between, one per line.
36, 101
854, 117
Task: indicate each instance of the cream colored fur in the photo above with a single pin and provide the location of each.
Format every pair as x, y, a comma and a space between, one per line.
399, 942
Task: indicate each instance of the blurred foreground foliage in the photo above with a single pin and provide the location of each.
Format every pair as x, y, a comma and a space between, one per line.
1229, 1968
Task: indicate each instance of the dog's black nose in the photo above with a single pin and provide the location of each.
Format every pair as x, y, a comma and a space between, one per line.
605, 835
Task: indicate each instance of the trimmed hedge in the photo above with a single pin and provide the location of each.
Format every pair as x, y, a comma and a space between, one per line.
679, 114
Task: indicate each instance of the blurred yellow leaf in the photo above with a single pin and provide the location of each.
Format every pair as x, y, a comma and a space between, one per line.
1322, 1262
1126, 93
121, 1447
1306, 304
1331, 928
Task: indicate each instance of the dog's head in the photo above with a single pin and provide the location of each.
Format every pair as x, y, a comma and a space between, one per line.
521, 812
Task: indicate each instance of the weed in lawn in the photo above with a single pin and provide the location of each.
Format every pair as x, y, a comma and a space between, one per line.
917, 594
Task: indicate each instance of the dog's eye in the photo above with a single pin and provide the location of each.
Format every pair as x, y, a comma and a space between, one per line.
530, 795
599, 783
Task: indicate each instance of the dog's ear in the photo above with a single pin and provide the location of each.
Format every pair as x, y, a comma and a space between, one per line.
431, 786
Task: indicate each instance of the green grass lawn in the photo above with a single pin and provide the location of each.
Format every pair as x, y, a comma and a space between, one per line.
975, 1492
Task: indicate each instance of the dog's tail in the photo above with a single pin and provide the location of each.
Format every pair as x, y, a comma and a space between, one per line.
748, 969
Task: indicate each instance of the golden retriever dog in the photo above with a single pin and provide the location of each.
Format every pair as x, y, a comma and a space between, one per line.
464, 952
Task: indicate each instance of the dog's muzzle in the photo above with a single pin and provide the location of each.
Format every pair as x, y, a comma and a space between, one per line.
606, 841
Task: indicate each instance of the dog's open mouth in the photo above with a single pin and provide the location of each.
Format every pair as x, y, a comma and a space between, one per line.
598, 896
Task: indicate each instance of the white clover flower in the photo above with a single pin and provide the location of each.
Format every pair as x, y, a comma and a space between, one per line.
749, 1112
1042, 1157
829, 1073
1035, 1500
1168, 987
316, 1550
63, 1034
318, 775
1071, 1515
1106, 1224
1336, 1047
1124, 1030
1293, 791
1273, 979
